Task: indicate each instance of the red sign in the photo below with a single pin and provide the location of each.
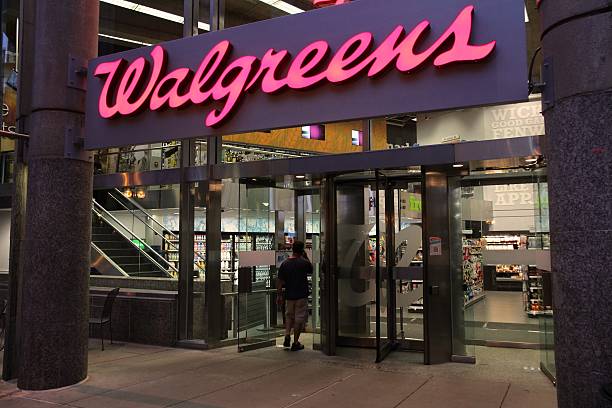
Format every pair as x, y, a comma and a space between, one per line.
127, 90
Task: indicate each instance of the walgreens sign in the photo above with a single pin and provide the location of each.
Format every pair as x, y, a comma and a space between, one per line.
338, 63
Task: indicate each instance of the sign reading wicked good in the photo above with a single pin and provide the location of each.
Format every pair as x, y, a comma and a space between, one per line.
365, 59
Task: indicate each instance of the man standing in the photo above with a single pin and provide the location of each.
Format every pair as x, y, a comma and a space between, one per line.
293, 275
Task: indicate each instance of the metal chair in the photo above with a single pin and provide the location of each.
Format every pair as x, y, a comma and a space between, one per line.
107, 316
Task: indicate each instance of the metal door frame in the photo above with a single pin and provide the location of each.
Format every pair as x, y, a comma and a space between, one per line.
382, 350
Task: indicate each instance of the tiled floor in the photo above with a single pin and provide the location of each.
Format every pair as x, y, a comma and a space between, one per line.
131, 376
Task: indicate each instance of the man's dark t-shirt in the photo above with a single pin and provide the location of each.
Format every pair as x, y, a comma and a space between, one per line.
294, 272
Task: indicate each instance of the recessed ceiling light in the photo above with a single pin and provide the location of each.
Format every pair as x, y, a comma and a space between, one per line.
127, 40
153, 12
458, 165
299, 177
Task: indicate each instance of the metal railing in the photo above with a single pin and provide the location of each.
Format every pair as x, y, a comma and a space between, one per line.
130, 236
147, 158
149, 217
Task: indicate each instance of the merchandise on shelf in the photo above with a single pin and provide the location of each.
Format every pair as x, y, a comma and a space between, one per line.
533, 293
506, 242
231, 245
510, 272
473, 277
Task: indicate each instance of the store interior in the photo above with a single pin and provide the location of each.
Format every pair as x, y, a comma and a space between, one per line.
505, 231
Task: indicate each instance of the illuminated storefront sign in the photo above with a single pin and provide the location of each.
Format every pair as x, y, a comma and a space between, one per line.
218, 80
324, 3
350, 66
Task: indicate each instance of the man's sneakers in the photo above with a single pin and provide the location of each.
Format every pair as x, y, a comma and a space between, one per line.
297, 346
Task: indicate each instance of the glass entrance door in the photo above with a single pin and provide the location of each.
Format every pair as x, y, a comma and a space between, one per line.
407, 267
378, 269
356, 245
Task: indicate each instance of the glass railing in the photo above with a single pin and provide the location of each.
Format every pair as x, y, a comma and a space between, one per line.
146, 263
150, 224
167, 156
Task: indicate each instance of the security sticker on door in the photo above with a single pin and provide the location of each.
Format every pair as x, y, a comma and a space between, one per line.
435, 246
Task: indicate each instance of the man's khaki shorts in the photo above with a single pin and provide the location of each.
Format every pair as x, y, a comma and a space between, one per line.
296, 314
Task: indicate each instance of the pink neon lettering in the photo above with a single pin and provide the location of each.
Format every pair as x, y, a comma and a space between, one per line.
306, 61
171, 97
133, 79
209, 66
339, 69
325, 3
237, 73
107, 69
126, 90
462, 50
270, 67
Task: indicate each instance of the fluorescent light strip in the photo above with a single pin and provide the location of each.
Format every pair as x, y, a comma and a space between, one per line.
281, 5
153, 12
112, 37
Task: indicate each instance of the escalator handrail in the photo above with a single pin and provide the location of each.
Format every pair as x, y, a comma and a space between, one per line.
133, 212
97, 207
149, 216
135, 204
108, 259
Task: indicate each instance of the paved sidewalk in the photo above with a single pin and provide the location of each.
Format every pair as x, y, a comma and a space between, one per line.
131, 375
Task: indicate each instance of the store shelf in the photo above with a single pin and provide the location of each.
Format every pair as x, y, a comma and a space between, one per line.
475, 299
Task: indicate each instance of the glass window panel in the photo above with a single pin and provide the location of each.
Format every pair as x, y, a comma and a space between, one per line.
239, 12
132, 24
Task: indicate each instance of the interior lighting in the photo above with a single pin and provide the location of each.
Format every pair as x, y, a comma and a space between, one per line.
140, 194
265, 204
127, 40
531, 160
300, 177
281, 5
458, 165
128, 193
164, 15
130, 5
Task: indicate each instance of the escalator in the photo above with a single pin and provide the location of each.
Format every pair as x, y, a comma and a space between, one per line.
117, 251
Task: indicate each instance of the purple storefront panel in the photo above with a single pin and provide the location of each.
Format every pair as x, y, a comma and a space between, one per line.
501, 77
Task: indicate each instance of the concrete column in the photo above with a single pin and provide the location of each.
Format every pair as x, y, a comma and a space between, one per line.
55, 282
577, 102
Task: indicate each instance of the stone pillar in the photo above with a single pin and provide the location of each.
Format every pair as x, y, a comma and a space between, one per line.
55, 283
577, 103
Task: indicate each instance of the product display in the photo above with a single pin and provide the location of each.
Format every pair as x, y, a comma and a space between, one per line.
473, 277
231, 245
507, 242
510, 272
533, 293
170, 248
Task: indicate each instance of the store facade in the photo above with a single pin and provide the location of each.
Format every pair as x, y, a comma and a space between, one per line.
396, 191
247, 212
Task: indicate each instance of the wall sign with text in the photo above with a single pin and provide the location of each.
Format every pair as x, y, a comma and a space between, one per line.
357, 61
